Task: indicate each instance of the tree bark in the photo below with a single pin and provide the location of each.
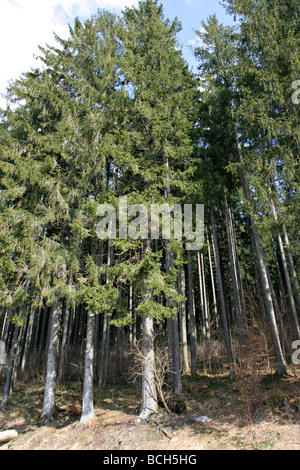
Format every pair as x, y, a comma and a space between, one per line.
234, 273
287, 276
215, 306
87, 400
262, 266
62, 358
183, 325
8, 382
292, 267
105, 342
192, 317
222, 302
176, 354
283, 298
49, 393
149, 404
149, 394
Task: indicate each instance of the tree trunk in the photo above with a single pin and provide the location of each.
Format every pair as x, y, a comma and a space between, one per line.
87, 400
222, 302
49, 393
287, 276
283, 299
27, 342
267, 294
234, 274
5, 326
173, 333
206, 300
292, 267
8, 382
192, 318
101, 378
203, 296
62, 358
149, 394
44, 329
70, 327
183, 325
36, 330
173, 341
215, 306
149, 391
105, 343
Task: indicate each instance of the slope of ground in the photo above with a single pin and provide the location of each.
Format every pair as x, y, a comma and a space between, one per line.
261, 414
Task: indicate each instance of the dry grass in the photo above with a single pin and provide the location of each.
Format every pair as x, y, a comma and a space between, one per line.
264, 415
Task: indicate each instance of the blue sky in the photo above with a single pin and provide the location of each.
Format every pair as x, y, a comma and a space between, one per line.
25, 24
191, 13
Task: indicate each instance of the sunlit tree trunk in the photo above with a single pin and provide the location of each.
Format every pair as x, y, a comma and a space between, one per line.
183, 322
262, 266
49, 393
8, 382
192, 317
87, 399
222, 302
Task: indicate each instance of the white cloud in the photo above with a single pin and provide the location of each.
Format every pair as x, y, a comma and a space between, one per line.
192, 42
25, 24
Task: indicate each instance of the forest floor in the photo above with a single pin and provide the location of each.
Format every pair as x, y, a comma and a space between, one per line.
248, 413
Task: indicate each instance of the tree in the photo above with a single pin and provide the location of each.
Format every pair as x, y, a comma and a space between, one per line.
219, 62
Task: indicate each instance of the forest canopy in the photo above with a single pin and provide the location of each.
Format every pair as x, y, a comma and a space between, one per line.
116, 112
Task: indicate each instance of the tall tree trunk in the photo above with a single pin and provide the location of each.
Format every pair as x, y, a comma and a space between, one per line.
87, 400
69, 337
101, 378
292, 267
4, 334
5, 326
36, 330
206, 299
287, 276
234, 273
257, 275
222, 302
238, 270
49, 393
130, 306
173, 333
27, 343
203, 296
171, 368
183, 325
215, 306
105, 342
192, 318
149, 404
149, 394
173, 341
44, 330
8, 382
283, 298
176, 355
62, 358
267, 294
